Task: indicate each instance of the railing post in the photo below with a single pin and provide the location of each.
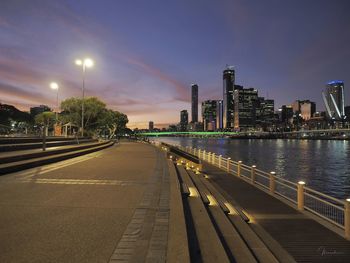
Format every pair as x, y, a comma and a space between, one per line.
220, 160
272, 182
228, 164
199, 153
213, 158
347, 218
239, 168
301, 195
208, 157
252, 174
204, 155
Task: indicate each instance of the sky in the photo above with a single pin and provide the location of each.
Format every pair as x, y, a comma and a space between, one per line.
148, 53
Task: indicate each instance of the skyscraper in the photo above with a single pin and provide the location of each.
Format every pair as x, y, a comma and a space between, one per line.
209, 115
265, 112
228, 104
194, 102
333, 98
245, 108
307, 109
183, 120
219, 115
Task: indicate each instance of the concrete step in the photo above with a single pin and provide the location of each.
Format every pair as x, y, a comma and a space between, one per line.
211, 248
177, 238
30, 163
15, 156
259, 249
21, 140
236, 246
36, 145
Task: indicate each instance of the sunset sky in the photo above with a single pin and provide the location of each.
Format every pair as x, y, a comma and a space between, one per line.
147, 53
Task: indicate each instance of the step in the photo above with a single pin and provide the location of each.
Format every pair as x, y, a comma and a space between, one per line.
26, 164
234, 242
211, 248
15, 156
177, 238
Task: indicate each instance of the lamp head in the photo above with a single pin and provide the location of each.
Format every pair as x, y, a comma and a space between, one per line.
88, 62
54, 85
79, 62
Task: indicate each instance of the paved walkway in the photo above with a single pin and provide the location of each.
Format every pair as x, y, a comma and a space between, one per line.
107, 206
305, 239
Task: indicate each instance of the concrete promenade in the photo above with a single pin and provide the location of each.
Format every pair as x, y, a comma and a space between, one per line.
282, 228
106, 206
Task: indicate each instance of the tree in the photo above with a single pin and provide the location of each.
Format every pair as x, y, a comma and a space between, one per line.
45, 119
93, 110
97, 117
113, 121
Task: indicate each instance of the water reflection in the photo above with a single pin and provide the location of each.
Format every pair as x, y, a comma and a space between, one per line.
324, 165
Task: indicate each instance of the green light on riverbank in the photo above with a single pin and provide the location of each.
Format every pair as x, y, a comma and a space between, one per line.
186, 133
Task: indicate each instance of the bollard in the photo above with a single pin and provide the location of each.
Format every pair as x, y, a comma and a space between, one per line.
220, 160
239, 168
301, 195
228, 164
252, 174
272, 182
347, 218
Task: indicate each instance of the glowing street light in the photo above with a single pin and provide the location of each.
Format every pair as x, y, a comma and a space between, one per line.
54, 86
86, 63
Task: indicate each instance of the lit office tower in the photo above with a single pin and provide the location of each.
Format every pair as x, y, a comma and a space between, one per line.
219, 115
307, 109
245, 108
209, 115
333, 98
183, 120
228, 105
194, 100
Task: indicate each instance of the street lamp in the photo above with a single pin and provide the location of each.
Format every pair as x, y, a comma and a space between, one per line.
86, 63
54, 86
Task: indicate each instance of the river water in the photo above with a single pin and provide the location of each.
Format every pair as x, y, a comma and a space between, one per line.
323, 164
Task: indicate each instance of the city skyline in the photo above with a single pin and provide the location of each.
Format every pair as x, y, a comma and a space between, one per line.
151, 79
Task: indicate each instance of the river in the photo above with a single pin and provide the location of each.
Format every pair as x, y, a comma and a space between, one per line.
323, 164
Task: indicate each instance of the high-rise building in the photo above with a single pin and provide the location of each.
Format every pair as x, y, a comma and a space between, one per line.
151, 126
347, 112
333, 98
219, 115
296, 106
245, 108
194, 102
209, 115
265, 112
228, 102
286, 114
307, 109
183, 120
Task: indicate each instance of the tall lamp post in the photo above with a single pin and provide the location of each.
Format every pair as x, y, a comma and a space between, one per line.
86, 63
54, 86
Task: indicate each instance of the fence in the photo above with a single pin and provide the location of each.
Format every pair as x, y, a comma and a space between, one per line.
333, 210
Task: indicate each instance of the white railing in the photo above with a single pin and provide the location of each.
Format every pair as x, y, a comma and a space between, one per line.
329, 208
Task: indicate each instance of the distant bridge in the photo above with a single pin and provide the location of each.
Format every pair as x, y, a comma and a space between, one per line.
326, 132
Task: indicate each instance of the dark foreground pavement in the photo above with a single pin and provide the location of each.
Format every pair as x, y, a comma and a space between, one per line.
100, 207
